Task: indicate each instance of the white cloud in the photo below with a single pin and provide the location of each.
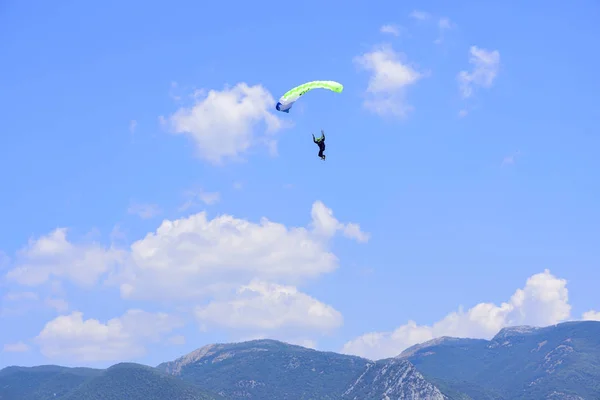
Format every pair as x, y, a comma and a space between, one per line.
445, 23
177, 340
420, 15
389, 79
144, 211
71, 338
56, 287
195, 256
4, 260
225, 124
27, 301
389, 73
463, 113
54, 256
263, 306
194, 197
117, 234
324, 223
20, 296
353, 231
591, 315
18, 347
59, 305
543, 301
209, 198
174, 87
132, 125
193, 259
485, 69
390, 29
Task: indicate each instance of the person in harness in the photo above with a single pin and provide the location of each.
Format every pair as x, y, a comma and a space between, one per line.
321, 143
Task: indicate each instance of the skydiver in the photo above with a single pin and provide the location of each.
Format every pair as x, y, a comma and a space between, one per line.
321, 143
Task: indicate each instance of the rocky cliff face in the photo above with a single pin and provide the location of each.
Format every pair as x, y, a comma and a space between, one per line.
393, 379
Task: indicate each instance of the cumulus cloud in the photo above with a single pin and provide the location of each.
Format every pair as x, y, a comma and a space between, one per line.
18, 347
144, 211
226, 124
190, 257
393, 30
262, 306
324, 223
195, 257
73, 338
221, 263
485, 64
390, 78
53, 255
389, 73
591, 315
543, 301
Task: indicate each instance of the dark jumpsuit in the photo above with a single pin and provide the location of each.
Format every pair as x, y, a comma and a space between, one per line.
321, 143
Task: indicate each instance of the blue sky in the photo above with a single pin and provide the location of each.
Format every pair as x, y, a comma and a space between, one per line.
476, 209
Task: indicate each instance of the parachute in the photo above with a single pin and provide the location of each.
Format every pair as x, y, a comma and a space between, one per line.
288, 99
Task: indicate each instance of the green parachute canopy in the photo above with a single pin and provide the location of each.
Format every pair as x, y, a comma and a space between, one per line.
289, 98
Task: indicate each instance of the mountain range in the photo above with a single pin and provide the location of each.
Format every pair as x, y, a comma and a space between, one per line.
559, 362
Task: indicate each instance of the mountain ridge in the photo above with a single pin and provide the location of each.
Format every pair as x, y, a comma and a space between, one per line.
272, 367
555, 361
559, 362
